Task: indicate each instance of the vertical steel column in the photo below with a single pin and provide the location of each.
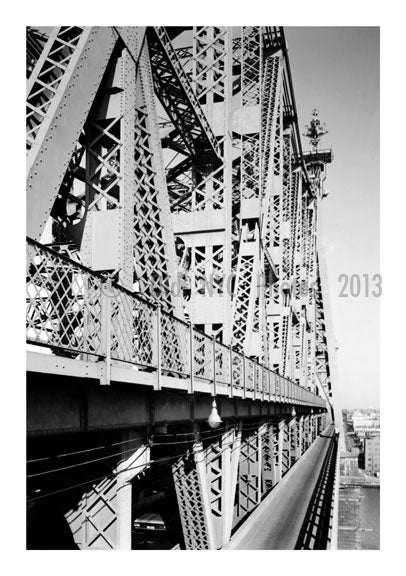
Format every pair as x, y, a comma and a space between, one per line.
214, 393
281, 435
158, 347
285, 448
249, 475
300, 447
231, 373
102, 518
193, 497
235, 461
292, 442
221, 476
105, 366
268, 463
192, 359
127, 470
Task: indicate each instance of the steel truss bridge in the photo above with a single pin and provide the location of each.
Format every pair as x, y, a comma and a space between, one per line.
172, 259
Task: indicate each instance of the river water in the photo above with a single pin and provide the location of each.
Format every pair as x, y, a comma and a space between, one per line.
369, 513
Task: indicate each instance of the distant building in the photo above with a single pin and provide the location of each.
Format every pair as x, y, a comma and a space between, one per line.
349, 463
366, 423
349, 519
372, 455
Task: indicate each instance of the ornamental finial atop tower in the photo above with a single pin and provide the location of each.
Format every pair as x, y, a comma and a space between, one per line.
315, 131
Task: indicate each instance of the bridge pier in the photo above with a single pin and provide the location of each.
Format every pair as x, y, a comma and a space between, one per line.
205, 484
102, 518
243, 465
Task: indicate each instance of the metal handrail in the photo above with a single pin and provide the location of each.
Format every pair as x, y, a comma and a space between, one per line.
136, 331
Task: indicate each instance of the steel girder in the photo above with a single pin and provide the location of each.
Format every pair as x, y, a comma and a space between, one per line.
205, 488
60, 92
221, 482
101, 177
239, 197
173, 88
102, 519
202, 212
230, 109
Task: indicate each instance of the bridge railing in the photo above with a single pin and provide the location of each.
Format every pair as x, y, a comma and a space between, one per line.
80, 313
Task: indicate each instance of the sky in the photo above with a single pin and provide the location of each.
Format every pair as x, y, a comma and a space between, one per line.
336, 70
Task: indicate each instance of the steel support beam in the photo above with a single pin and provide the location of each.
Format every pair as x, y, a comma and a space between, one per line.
102, 518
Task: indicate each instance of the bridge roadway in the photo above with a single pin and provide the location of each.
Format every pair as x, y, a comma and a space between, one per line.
276, 523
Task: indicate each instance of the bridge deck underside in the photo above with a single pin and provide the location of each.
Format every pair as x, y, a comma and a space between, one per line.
61, 403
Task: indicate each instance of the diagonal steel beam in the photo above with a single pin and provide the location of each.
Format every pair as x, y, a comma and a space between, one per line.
175, 93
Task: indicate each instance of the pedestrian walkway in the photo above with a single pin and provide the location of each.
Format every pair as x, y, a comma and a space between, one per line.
276, 523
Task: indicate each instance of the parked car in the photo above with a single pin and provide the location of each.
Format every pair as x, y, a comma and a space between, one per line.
149, 533
149, 521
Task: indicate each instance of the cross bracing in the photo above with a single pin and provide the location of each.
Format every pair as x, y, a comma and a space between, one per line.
172, 230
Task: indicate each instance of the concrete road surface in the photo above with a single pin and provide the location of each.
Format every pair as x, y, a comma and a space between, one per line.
276, 523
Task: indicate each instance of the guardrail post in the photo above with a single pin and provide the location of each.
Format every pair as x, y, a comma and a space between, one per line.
244, 390
231, 373
158, 346
269, 384
192, 359
105, 375
214, 367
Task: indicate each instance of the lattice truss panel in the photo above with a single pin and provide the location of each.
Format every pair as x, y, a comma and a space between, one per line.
249, 476
132, 330
215, 470
116, 163
207, 184
95, 522
270, 108
251, 176
210, 73
249, 318
242, 301
322, 363
286, 448
293, 432
221, 459
113, 190
193, 515
63, 304
251, 65
277, 451
62, 85
273, 227
206, 269
287, 208
268, 459
50, 71
155, 264
310, 257
273, 242
196, 154
300, 287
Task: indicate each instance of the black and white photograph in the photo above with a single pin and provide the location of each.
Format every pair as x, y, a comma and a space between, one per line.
182, 224
204, 283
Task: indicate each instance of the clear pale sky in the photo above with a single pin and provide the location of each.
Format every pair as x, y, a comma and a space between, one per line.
336, 70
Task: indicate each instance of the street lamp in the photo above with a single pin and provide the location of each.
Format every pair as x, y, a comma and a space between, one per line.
214, 419
293, 412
